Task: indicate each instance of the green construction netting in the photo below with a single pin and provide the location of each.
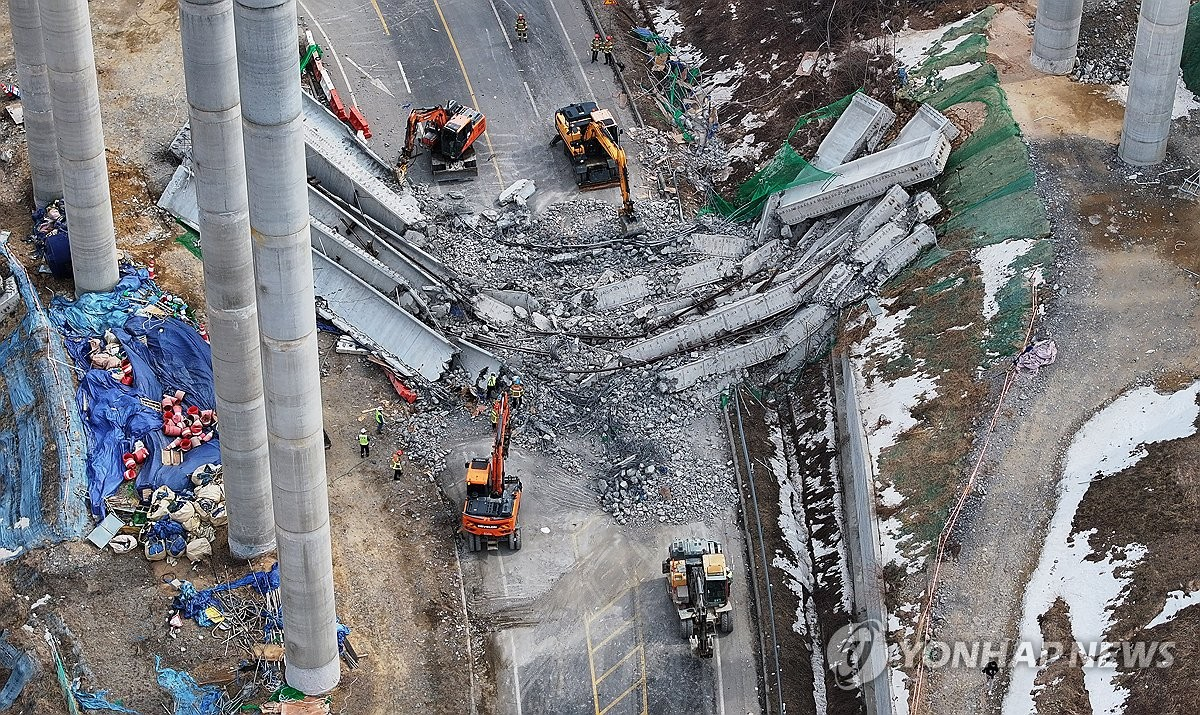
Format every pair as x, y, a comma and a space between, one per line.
1191, 50
678, 84
784, 170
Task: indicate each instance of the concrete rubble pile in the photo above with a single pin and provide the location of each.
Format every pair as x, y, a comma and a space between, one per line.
623, 332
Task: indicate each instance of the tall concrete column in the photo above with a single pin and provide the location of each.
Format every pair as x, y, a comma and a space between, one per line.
269, 77
30, 54
1056, 36
1152, 81
210, 74
75, 97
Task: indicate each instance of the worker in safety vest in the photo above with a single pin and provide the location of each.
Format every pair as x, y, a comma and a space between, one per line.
597, 45
379, 420
396, 464
515, 392
522, 28
607, 46
495, 416
491, 384
364, 444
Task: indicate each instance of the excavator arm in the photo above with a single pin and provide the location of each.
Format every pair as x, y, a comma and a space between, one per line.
595, 131
417, 117
499, 450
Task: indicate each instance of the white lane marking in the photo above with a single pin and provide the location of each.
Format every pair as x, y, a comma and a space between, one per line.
500, 23
404, 76
462, 592
378, 83
531, 102
512, 646
571, 43
720, 677
329, 44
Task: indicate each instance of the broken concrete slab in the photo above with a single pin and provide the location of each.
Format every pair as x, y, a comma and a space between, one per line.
875, 245
516, 299
518, 192
865, 178
862, 123
703, 273
721, 246
474, 360
885, 209
764, 255
621, 293
901, 254
493, 311
925, 206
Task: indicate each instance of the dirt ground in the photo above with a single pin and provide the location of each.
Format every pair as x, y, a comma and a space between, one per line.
1121, 306
108, 611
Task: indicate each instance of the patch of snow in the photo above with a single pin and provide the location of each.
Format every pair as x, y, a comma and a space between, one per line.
22, 523
950, 45
747, 150
666, 21
887, 410
732, 11
955, 70
890, 497
912, 46
956, 328
751, 121
1111, 441
6, 554
724, 83
995, 265
1176, 602
899, 687
1185, 101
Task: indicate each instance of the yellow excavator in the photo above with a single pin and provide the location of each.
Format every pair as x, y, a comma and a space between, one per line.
698, 583
590, 138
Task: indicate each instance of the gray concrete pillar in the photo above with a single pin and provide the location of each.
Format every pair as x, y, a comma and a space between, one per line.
1056, 36
1152, 81
268, 73
30, 54
210, 74
75, 97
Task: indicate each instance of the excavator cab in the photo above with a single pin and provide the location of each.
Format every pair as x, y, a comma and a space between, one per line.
448, 132
698, 583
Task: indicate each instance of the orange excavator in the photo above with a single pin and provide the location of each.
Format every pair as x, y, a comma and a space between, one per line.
489, 515
590, 137
449, 133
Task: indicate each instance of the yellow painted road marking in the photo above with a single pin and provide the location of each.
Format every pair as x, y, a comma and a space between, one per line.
592, 666
463, 68
606, 606
621, 697
618, 664
379, 13
614, 634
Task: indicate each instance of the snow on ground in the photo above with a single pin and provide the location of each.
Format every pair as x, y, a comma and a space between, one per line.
1185, 101
666, 21
899, 692
995, 265
1176, 602
912, 46
1111, 441
955, 70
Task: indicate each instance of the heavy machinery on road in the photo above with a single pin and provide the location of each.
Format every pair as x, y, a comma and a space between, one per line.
698, 582
448, 132
591, 139
489, 515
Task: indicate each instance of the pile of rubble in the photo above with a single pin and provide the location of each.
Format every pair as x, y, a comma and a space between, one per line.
1106, 36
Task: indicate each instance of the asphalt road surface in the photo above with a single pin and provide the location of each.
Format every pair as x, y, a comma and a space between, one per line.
583, 622
395, 55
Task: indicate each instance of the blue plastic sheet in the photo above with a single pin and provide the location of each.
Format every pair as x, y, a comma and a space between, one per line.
21, 669
43, 451
190, 697
191, 603
166, 354
99, 701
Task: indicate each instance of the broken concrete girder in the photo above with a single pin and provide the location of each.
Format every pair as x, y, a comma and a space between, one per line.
373, 272
765, 254
516, 299
378, 321
925, 206
866, 178
926, 121
518, 193
703, 273
887, 208
875, 245
621, 293
900, 255
718, 245
861, 126
728, 319
804, 332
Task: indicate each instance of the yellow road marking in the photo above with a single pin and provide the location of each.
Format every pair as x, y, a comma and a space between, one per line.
463, 68
624, 658
612, 635
379, 13
592, 667
606, 606
620, 697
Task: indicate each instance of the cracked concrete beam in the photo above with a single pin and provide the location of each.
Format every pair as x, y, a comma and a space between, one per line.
861, 125
925, 122
718, 245
621, 293
769, 252
703, 273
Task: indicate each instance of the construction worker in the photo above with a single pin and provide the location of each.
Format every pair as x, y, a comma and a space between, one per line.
607, 46
515, 391
491, 384
597, 45
396, 464
379, 420
495, 416
522, 28
364, 444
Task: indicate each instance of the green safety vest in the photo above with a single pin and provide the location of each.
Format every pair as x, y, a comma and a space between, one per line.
363, 440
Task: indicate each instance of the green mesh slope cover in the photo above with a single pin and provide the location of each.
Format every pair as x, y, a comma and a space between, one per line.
1191, 50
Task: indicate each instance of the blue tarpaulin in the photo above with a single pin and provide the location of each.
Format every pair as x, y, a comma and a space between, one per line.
43, 452
99, 701
166, 354
191, 603
190, 697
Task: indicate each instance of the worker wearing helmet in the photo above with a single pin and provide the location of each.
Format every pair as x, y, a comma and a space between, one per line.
515, 392
597, 45
607, 46
364, 444
522, 28
495, 415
